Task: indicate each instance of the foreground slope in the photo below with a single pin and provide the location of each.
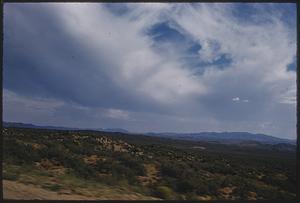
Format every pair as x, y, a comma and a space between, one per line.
84, 164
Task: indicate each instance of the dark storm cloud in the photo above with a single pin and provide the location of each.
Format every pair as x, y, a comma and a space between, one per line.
43, 59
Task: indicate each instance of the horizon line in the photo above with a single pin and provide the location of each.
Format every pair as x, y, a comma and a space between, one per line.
146, 132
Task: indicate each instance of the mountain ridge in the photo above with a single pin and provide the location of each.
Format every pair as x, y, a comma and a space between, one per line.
224, 137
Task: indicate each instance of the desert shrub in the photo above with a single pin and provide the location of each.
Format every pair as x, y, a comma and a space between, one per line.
126, 169
218, 167
77, 164
25, 154
133, 164
55, 151
119, 170
202, 188
72, 147
187, 185
52, 187
285, 195
284, 184
243, 188
86, 149
109, 180
11, 176
213, 185
104, 166
164, 192
172, 169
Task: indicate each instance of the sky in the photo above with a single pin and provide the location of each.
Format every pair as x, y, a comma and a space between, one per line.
152, 67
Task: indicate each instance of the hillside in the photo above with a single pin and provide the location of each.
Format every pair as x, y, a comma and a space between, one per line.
84, 164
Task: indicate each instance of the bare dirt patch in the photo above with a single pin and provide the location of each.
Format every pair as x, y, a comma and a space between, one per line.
152, 175
20, 191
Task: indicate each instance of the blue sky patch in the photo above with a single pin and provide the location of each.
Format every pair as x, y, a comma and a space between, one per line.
250, 12
194, 49
117, 9
223, 61
292, 66
164, 32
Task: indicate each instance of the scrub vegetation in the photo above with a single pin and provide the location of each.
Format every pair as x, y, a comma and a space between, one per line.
108, 165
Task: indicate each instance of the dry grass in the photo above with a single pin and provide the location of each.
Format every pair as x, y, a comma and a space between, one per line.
54, 184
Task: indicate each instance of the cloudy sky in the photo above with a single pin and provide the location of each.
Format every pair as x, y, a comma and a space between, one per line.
152, 67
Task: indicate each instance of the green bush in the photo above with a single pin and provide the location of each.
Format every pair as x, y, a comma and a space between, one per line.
202, 189
184, 186
172, 169
164, 192
52, 187
10, 176
131, 162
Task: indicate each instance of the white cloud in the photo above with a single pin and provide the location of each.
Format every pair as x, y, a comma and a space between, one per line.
138, 65
117, 114
236, 99
289, 96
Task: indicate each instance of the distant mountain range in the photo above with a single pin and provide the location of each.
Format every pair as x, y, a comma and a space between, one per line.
226, 137
28, 125
244, 138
